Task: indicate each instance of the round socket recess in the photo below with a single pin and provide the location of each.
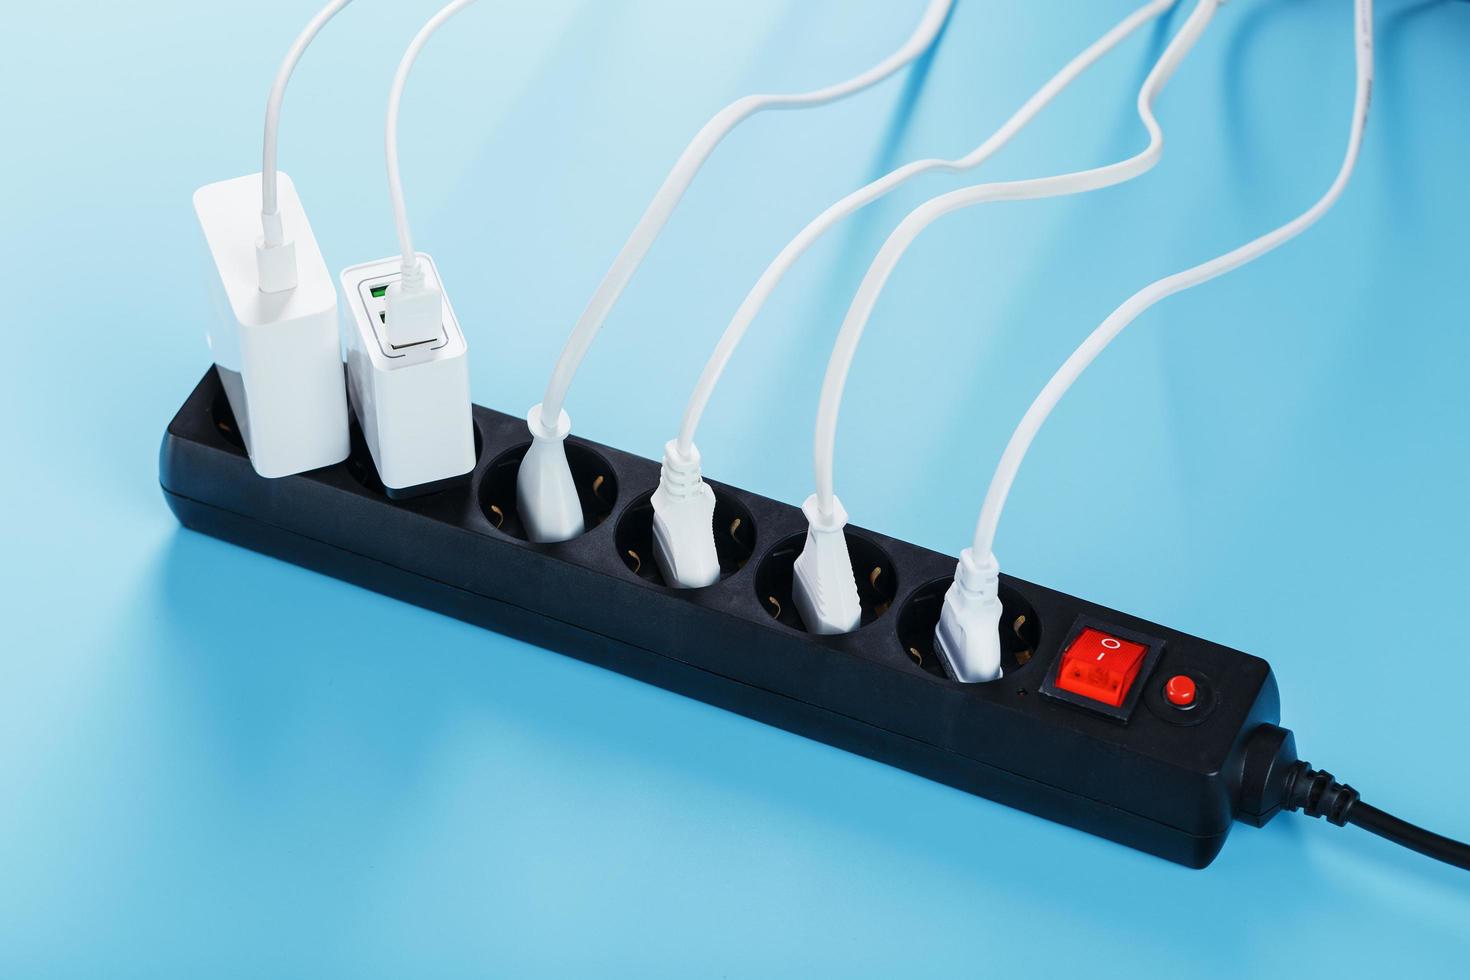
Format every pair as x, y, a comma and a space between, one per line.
597, 487
872, 570
734, 531
1020, 631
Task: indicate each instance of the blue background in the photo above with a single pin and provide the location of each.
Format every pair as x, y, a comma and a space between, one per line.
216, 764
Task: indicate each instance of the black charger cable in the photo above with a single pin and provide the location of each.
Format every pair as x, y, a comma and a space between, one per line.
1274, 779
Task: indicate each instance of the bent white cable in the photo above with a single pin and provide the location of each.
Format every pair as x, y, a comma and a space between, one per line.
414, 307
834, 595
932, 210
967, 636
771, 278
545, 493
687, 168
1141, 301
683, 505
276, 257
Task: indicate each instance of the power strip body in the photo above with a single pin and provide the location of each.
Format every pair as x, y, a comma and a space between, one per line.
1158, 779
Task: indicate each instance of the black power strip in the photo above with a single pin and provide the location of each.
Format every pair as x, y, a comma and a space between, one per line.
1160, 771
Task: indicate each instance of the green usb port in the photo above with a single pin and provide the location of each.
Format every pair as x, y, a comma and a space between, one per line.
379, 291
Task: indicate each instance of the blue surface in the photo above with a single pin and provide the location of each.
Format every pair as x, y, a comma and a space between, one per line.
216, 764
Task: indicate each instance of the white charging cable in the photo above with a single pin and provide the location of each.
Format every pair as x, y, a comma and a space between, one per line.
414, 306
275, 256
968, 638
683, 505
826, 593
546, 496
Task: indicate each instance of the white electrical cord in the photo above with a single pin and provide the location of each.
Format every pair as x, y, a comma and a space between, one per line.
395, 100
546, 496
1141, 301
682, 175
414, 308
756, 299
825, 592
932, 210
276, 259
967, 636
683, 505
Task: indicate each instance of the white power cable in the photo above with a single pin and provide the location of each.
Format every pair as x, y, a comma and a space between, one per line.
825, 592
682, 175
967, 636
545, 492
395, 100
414, 308
932, 210
276, 259
1141, 301
771, 278
683, 505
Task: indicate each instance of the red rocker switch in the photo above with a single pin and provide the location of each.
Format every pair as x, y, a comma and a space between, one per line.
1100, 666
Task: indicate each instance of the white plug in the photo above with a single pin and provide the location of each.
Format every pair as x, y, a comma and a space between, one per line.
546, 494
968, 636
275, 256
276, 352
684, 522
412, 401
823, 585
414, 309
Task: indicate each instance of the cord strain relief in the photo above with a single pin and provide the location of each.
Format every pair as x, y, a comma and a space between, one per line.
413, 275
536, 423
978, 576
820, 522
681, 473
273, 229
1317, 793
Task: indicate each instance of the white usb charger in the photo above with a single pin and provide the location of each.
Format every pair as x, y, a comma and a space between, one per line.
411, 395
407, 359
274, 335
277, 353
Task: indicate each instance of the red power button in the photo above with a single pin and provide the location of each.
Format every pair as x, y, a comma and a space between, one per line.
1180, 691
1100, 666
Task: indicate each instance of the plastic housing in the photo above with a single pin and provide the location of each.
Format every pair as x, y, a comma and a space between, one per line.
1157, 778
278, 353
412, 402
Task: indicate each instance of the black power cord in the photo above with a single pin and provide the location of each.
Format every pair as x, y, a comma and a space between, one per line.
1274, 779
1318, 794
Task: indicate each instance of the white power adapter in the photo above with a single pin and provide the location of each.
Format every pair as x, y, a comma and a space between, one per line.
278, 353
411, 398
